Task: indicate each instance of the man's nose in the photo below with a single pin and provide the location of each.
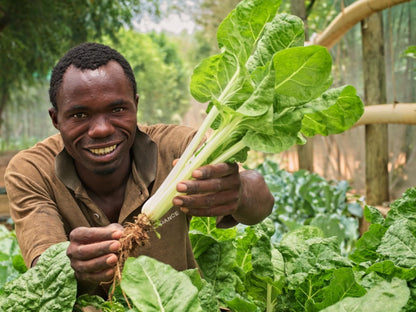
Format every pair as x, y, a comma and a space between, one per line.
100, 127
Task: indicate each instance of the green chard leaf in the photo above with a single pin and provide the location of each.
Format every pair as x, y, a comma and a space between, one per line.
303, 72
341, 285
403, 208
366, 246
399, 243
284, 31
373, 215
162, 288
49, 286
389, 269
240, 31
385, 296
338, 102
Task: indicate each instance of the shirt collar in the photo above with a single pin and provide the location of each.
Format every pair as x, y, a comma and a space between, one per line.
144, 152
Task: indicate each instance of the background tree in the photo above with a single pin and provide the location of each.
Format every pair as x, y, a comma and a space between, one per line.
34, 33
161, 77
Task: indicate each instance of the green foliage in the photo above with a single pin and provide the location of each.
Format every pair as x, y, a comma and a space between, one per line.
305, 198
49, 286
244, 269
26, 119
11, 261
265, 91
161, 78
35, 34
410, 52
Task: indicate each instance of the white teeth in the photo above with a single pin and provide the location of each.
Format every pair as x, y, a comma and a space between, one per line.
103, 151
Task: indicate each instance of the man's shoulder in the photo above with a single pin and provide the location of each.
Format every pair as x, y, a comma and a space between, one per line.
169, 134
163, 130
41, 154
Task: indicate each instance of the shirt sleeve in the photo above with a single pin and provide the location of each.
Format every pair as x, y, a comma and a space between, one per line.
38, 224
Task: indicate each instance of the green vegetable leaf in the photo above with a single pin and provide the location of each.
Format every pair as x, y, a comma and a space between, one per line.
341, 285
240, 31
302, 72
338, 101
373, 215
385, 296
399, 243
162, 288
366, 246
48, 286
284, 31
388, 268
403, 208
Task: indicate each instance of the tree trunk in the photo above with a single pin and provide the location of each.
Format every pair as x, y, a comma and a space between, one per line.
376, 136
3, 101
305, 152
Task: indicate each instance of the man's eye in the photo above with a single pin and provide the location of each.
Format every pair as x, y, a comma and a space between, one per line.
79, 115
118, 109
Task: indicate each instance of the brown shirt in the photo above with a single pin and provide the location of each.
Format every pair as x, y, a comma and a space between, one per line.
47, 199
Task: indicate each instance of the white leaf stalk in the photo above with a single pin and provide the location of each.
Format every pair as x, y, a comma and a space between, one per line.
191, 159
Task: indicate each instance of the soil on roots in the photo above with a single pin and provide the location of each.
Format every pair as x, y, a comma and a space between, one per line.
136, 234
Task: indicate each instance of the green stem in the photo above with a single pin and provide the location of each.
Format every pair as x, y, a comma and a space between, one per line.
229, 153
161, 201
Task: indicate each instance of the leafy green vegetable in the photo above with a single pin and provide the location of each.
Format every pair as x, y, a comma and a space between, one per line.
49, 286
246, 270
386, 296
265, 91
161, 287
11, 261
305, 198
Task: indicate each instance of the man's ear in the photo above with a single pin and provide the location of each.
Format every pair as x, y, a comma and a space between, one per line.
136, 100
53, 113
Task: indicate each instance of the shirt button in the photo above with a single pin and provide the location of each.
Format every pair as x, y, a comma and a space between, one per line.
97, 216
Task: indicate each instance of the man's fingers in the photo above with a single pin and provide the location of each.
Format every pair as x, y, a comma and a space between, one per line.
207, 200
98, 264
215, 171
97, 277
90, 251
210, 185
86, 235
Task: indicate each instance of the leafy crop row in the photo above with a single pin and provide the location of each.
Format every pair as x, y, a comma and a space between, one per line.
305, 198
244, 269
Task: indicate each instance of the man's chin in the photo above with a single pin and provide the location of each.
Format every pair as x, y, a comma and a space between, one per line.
104, 171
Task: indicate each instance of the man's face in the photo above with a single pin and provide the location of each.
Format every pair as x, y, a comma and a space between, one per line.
96, 117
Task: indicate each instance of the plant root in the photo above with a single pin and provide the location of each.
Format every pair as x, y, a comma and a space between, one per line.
136, 234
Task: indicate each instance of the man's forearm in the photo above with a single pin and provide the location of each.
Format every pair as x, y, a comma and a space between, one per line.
256, 201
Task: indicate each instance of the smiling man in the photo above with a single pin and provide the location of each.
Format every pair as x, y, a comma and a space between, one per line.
83, 184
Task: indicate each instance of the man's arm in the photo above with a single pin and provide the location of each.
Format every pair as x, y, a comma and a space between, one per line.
221, 190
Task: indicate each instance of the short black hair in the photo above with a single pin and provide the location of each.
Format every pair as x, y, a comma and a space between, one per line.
88, 55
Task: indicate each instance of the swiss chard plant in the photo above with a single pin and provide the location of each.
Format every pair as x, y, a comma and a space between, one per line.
266, 92
246, 270
305, 198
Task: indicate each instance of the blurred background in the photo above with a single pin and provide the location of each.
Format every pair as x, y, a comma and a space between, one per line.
164, 41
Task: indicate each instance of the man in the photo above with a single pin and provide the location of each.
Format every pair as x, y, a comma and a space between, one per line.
82, 184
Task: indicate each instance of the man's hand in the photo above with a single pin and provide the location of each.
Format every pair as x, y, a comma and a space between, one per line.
215, 191
93, 253
221, 190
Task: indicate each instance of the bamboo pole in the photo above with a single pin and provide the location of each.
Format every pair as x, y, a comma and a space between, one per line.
401, 113
350, 16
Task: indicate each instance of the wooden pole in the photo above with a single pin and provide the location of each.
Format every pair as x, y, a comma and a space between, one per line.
376, 135
349, 17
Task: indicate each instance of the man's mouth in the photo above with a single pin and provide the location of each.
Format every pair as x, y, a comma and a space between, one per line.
103, 151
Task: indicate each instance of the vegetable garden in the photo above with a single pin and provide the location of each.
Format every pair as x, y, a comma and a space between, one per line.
282, 264
267, 91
